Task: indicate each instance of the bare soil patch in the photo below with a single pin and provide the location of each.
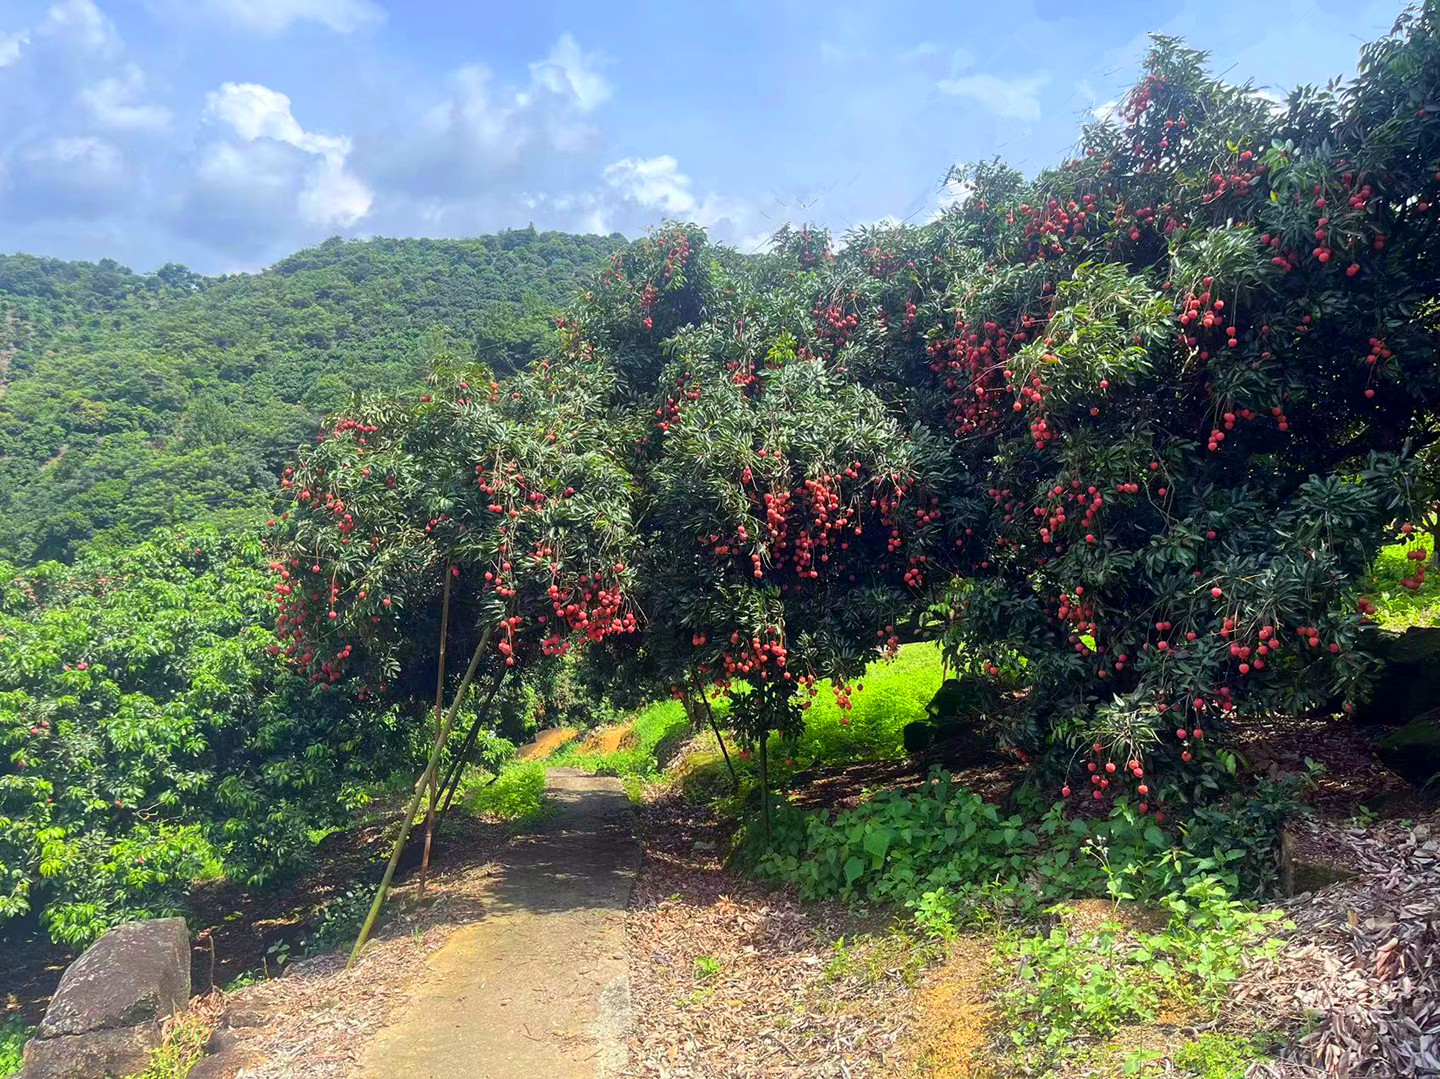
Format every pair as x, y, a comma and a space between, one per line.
546, 742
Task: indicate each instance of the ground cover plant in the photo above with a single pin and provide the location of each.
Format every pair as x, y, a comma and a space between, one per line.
13, 1035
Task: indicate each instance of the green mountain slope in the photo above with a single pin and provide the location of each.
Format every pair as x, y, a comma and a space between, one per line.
130, 401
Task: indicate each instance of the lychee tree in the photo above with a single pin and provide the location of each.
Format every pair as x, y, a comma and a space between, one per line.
500, 514
1188, 371
787, 520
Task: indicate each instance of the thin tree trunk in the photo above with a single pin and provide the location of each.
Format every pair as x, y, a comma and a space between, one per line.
765, 781
439, 713
457, 767
408, 820
710, 714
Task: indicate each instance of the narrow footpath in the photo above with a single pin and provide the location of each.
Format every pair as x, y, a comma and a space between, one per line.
538, 986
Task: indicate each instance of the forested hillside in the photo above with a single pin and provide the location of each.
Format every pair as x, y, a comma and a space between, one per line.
130, 401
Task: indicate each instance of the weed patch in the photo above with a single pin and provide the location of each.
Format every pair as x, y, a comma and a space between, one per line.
13, 1036
516, 794
1398, 606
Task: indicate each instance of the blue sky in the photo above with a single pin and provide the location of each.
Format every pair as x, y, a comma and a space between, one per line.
227, 133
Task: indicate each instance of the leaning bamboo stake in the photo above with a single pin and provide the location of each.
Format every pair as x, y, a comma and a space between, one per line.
408, 820
765, 782
457, 767
710, 713
439, 714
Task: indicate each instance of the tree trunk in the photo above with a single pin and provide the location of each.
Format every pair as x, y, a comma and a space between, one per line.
439, 713
765, 782
408, 820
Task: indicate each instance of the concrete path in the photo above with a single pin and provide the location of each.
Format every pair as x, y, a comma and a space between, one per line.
538, 987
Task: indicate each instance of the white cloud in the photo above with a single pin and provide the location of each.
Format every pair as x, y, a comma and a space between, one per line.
1012, 99
656, 183
10, 46
923, 51
484, 134
115, 104
571, 73
330, 196
90, 156
81, 23
273, 16
1106, 110
79, 176
655, 186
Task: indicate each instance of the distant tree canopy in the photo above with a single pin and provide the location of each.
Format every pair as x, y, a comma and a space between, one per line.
133, 401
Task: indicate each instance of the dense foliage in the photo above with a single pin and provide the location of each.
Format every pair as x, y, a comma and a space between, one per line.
150, 739
1153, 413
510, 502
784, 513
1126, 437
132, 401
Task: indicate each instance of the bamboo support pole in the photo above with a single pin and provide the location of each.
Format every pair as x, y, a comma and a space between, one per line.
765, 781
439, 713
710, 714
408, 820
457, 767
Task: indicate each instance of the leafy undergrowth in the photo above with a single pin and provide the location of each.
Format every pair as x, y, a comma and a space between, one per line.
1072, 984
1108, 935
13, 1036
185, 1038
1398, 606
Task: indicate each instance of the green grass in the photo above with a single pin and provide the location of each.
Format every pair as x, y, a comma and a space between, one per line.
1399, 607
517, 795
13, 1036
896, 693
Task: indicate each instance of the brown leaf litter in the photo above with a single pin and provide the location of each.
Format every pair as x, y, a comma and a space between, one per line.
315, 1022
1359, 979
729, 980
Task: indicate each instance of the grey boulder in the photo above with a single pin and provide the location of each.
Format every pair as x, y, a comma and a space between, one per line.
106, 1014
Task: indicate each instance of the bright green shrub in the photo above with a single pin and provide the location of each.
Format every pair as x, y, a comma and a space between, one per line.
904, 848
149, 738
895, 692
13, 1036
1397, 605
516, 794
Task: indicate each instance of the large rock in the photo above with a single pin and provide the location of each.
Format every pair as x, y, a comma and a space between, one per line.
101, 1054
1409, 683
106, 1014
1414, 749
